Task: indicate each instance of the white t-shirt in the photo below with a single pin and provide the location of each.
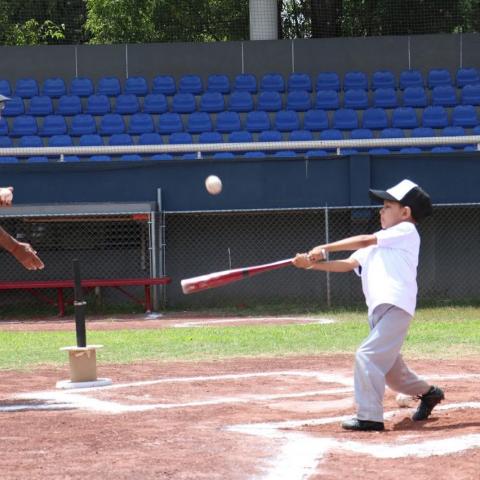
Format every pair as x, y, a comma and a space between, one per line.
389, 269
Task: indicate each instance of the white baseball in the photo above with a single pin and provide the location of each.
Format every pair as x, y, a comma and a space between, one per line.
404, 401
213, 185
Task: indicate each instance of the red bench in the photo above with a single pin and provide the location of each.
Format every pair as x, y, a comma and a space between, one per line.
34, 286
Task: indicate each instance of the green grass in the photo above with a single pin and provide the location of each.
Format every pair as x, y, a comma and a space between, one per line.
436, 333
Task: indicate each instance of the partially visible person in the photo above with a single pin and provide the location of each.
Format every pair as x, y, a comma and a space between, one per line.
23, 252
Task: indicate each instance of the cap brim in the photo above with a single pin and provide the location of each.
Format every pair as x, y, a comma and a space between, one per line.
3, 98
381, 195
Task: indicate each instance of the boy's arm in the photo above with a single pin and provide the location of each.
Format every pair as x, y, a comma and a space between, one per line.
302, 260
318, 254
23, 252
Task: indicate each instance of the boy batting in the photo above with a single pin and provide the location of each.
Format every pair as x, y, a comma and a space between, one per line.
387, 262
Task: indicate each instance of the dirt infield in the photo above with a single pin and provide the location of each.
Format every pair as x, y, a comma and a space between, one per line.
236, 419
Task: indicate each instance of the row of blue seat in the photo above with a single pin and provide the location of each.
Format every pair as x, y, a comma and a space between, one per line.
216, 137
166, 84
255, 121
240, 101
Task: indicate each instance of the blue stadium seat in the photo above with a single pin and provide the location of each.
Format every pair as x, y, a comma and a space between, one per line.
254, 154
111, 123
40, 106
423, 132
240, 136
383, 79
331, 134
24, 125
299, 100
91, 140
410, 150
315, 120
37, 159
190, 84
257, 121
155, 103
120, 139
210, 137
131, 157
442, 149
29, 141
100, 158
183, 103
212, 102
375, 118
169, 123
270, 136
299, 81
414, 97
109, 86
69, 105
3, 127
356, 98
14, 107
136, 85
355, 80
385, 98
98, 105
199, 122
63, 141
228, 122
327, 81
83, 124
438, 77
327, 100
162, 156
53, 125
223, 155
471, 94
180, 138
300, 135
140, 123
269, 101
345, 119
444, 95
126, 104
404, 117
26, 88
465, 116
272, 82
150, 139
164, 84
218, 83
285, 154
316, 153
379, 151
286, 121
435, 116
246, 82
6, 142
5, 87
81, 86
467, 76
410, 78
348, 151
392, 133
361, 133
240, 101
54, 87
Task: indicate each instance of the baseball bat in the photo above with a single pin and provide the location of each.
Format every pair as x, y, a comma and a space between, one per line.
218, 279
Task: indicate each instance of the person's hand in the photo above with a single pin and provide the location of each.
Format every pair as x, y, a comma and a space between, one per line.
27, 256
317, 254
301, 261
6, 196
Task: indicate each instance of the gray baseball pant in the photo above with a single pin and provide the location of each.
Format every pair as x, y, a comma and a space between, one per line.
378, 362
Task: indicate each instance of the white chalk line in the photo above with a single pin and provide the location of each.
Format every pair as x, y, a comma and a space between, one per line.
206, 322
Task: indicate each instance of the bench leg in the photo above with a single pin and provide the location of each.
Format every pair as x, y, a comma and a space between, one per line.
148, 300
61, 302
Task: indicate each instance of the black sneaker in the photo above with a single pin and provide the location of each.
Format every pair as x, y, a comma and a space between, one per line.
362, 425
427, 402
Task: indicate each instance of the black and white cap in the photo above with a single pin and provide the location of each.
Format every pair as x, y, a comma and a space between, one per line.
408, 194
3, 98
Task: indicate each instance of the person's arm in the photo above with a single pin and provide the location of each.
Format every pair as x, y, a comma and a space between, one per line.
318, 254
23, 252
302, 260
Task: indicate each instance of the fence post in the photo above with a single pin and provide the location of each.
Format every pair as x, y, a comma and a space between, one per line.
327, 240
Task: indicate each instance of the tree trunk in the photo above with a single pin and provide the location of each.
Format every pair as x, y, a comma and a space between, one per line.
326, 18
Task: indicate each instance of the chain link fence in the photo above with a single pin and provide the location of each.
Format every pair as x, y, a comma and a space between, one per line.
108, 246
204, 242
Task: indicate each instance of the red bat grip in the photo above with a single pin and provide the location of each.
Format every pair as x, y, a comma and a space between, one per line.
217, 279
